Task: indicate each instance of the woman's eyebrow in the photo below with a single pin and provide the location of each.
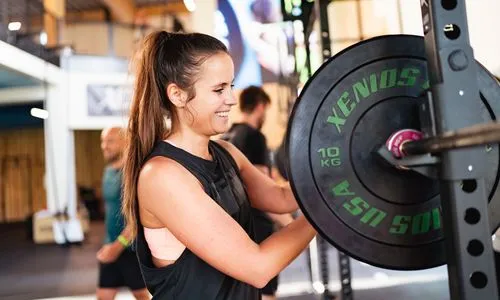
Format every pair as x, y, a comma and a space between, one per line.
221, 84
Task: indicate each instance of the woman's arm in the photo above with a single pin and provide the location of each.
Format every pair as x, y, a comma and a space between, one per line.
281, 220
265, 194
176, 198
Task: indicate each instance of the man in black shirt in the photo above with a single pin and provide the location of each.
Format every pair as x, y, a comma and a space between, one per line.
246, 136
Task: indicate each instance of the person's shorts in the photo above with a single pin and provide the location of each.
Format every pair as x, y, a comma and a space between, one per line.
124, 272
271, 287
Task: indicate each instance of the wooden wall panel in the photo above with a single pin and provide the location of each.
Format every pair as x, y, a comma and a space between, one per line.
39, 195
22, 166
17, 191
88, 156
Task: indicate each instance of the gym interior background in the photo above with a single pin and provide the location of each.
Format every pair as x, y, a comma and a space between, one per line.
65, 73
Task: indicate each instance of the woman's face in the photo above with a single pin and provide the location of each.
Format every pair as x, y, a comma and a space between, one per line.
208, 112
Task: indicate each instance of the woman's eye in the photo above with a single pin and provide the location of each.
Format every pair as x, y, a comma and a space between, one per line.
219, 91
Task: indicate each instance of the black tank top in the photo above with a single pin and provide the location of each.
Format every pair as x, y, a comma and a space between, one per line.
190, 277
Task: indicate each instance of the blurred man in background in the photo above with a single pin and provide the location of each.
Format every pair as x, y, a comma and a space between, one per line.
118, 265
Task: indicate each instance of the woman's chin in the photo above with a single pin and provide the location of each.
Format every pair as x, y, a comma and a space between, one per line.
220, 129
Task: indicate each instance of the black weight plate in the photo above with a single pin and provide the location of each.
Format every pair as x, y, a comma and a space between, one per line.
374, 212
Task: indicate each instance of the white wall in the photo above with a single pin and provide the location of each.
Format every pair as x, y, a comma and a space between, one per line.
483, 23
203, 18
379, 17
87, 38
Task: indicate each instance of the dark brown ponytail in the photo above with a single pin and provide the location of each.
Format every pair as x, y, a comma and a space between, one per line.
164, 58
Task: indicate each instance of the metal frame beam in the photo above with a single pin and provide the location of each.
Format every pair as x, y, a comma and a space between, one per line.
454, 94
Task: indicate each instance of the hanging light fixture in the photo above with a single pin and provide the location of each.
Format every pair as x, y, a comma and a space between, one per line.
39, 113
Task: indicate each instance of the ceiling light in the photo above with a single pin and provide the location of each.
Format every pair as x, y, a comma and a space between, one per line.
39, 113
14, 26
43, 38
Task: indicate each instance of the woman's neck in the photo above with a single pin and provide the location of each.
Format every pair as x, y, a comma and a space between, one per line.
194, 144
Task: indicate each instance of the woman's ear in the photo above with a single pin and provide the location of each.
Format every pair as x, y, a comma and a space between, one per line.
177, 96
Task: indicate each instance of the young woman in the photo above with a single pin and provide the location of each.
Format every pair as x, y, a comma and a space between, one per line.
188, 198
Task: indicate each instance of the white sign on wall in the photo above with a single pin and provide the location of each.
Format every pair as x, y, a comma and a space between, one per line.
108, 100
98, 100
